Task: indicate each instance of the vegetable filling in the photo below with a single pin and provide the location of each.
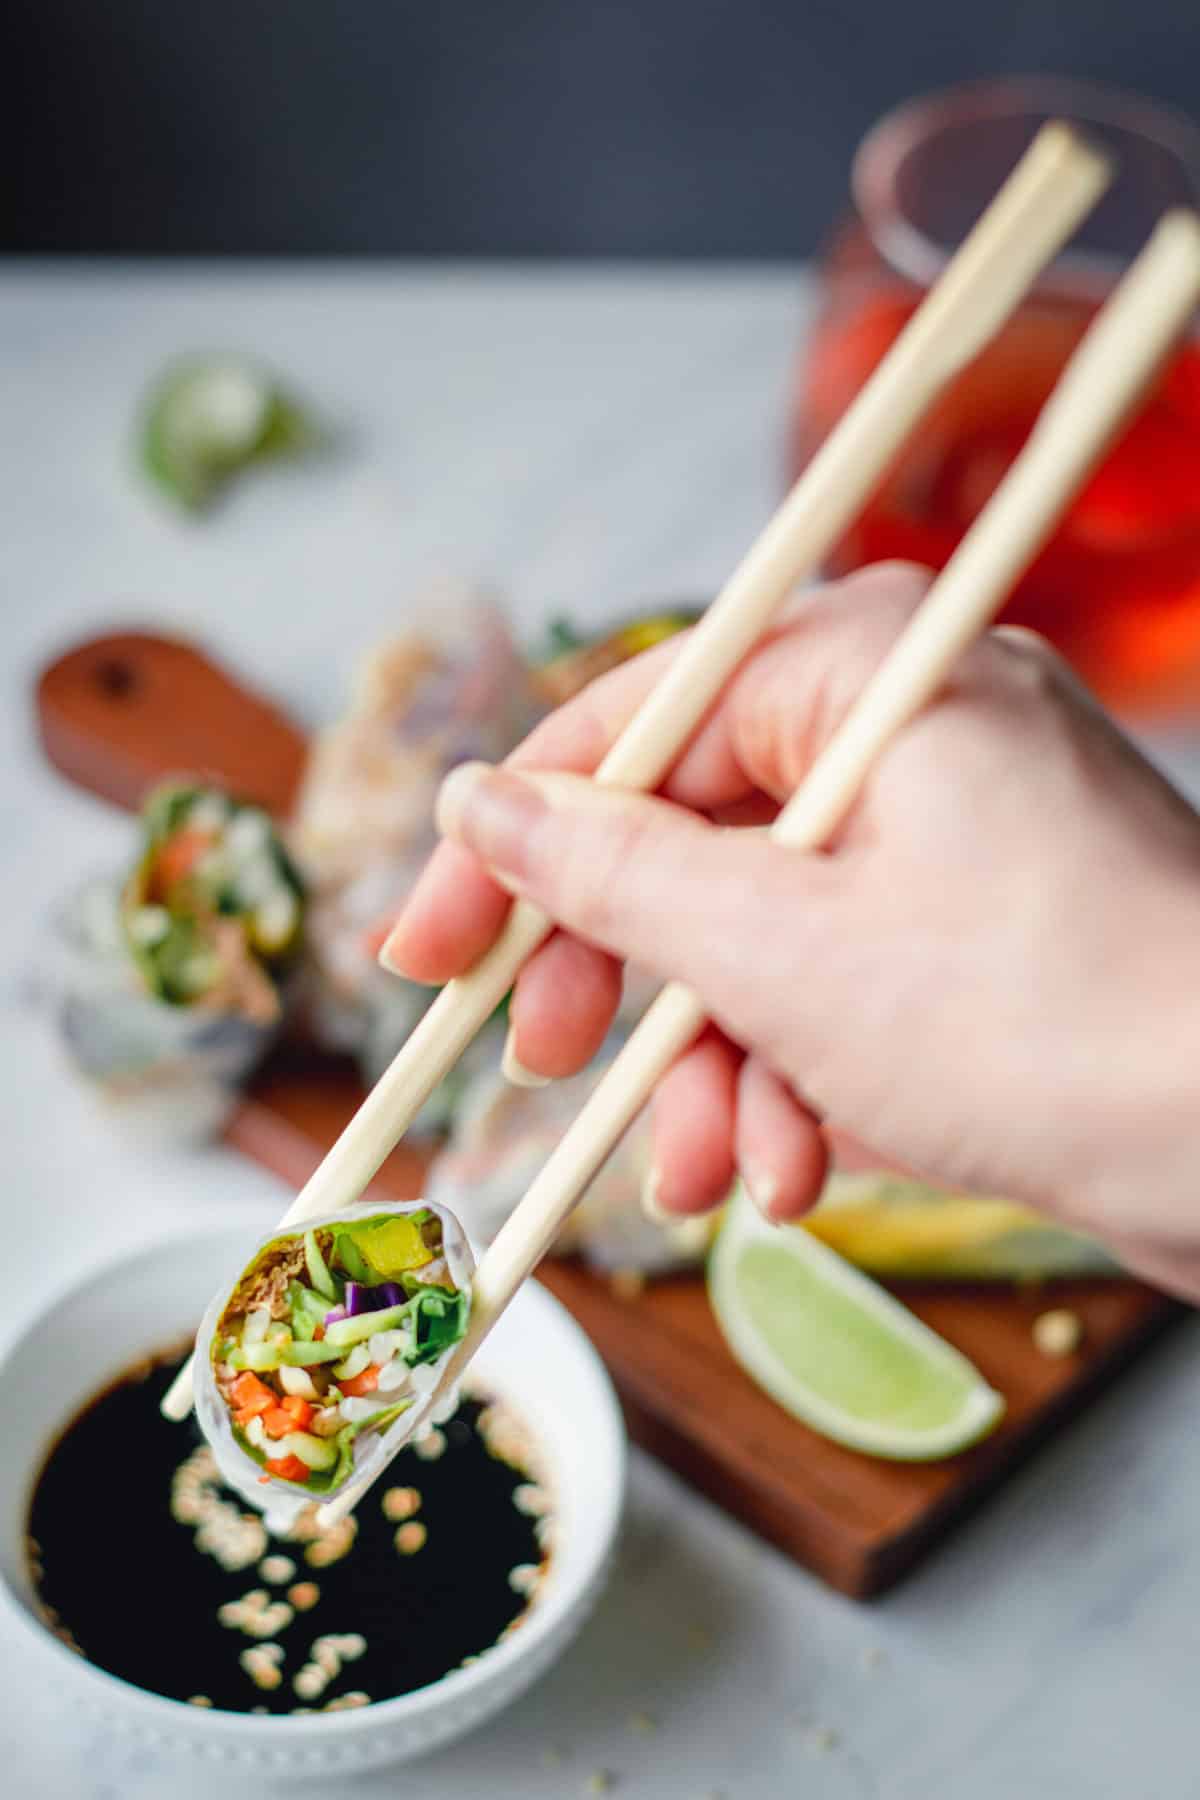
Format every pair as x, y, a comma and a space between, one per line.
317, 1344
213, 912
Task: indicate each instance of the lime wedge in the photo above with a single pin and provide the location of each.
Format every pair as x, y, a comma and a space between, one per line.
836, 1350
208, 418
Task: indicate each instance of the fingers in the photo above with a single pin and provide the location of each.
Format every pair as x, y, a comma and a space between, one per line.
776, 711
786, 700
451, 917
757, 741
738, 918
455, 909
578, 735
715, 1114
693, 1129
780, 1150
562, 1007
566, 996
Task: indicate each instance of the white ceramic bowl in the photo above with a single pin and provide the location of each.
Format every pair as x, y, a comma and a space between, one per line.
537, 1358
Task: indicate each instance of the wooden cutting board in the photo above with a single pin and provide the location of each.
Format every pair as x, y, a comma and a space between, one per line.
120, 712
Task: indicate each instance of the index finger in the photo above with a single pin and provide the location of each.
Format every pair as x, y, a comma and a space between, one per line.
455, 910
756, 738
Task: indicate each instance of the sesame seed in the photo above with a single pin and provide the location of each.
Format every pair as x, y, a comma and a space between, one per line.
304, 1595
431, 1444
524, 1578
411, 1537
256, 1615
401, 1503
330, 1546
199, 1700
627, 1284
310, 1682
233, 1538
277, 1569
346, 1702
643, 1722
262, 1666
505, 1437
530, 1499
1058, 1332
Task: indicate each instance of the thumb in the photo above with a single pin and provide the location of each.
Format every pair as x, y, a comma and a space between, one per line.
738, 918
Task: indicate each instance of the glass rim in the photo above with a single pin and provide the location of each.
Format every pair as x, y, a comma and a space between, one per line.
880, 157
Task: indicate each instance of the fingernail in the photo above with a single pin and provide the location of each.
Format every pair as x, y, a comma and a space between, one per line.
652, 1206
455, 793
763, 1188
388, 955
514, 1070
491, 810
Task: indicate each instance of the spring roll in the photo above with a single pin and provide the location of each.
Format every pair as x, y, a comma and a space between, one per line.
573, 659
213, 911
451, 686
331, 1340
501, 1135
899, 1228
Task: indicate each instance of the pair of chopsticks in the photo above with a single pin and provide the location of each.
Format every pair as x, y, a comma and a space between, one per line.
1052, 189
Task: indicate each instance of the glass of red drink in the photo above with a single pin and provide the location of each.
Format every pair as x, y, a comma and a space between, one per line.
1118, 588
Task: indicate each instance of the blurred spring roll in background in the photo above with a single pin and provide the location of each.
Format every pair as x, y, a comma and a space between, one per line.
450, 688
500, 1137
171, 981
573, 659
331, 1339
898, 1228
213, 912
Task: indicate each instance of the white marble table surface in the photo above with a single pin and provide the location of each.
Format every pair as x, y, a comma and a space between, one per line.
587, 440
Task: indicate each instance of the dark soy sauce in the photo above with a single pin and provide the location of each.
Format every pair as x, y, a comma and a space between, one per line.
136, 1548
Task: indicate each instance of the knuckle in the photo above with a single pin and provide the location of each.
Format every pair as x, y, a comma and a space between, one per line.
772, 732
883, 596
868, 611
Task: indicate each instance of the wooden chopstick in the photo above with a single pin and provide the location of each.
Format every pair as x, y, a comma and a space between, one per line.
1053, 187
1119, 356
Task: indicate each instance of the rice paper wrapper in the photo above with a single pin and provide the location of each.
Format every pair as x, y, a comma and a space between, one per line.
450, 687
170, 1073
281, 1501
500, 1137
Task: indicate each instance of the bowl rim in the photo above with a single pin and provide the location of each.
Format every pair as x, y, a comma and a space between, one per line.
605, 1506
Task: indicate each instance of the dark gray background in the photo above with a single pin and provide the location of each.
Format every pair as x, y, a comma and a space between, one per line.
501, 127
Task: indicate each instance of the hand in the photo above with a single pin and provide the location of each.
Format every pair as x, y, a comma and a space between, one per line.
988, 976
